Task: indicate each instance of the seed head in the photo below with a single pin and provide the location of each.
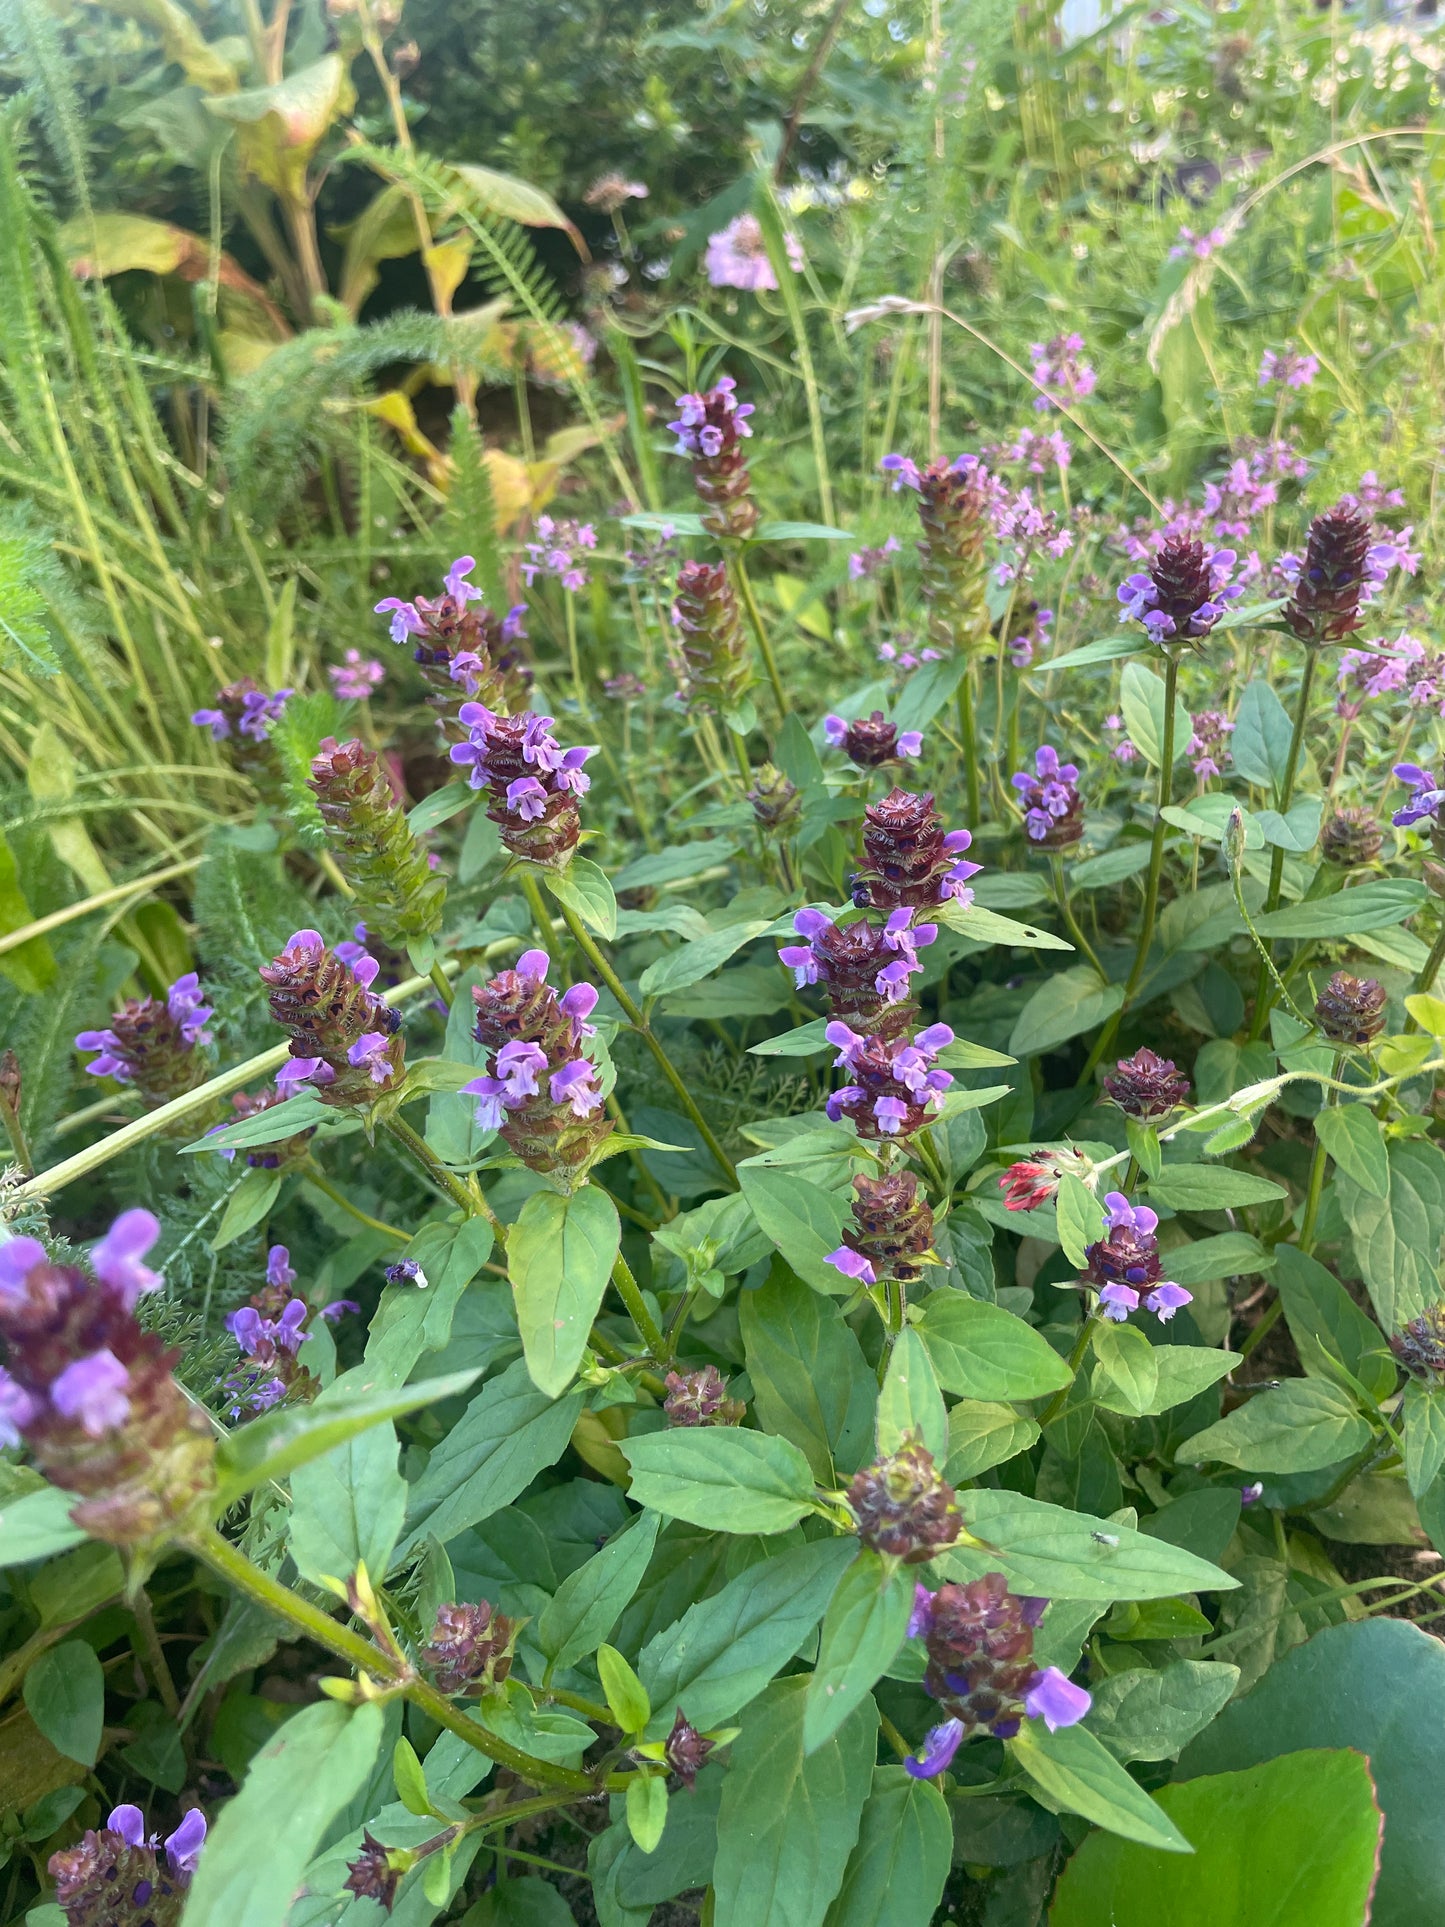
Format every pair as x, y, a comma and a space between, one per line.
700, 1398
1351, 839
1351, 1010
904, 1507
470, 1650
717, 669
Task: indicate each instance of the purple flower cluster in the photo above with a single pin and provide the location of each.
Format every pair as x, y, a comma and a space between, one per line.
1053, 809
1427, 795
115, 1874
143, 1028
1371, 496
1018, 518
539, 1089
345, 1041
837, 958
870, 741
487, 756
1201, 246
896, 1086
1057, 366
737, 257
907, 474
706, 424
356, 678
1207, 745
558, 552
1124, 1266
1122, 751
429, 612
242, 710
1287, 370
1184, 593
864, 564
269, 1333
1022, 648
895, 657
1032, 449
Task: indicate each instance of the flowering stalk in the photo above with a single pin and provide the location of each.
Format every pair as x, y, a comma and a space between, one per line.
760, 630
397, 896
153, 1045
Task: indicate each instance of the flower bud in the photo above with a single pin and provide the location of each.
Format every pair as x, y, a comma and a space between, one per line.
685, 1750
911, 859
1351, 1010
397, 895
715, 660
700, 1398
152, 1044
904, 1507
1035, 1181
1052, 806
470, 1649
376, 1872
1147, 1087
1420, 1346
891, 1233
776, 802
1334, 575
710, 430
92, 1396
532, 782
1351, 839
871, 741
345, 1041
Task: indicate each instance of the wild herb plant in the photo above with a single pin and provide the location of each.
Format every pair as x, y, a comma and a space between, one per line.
755, 1236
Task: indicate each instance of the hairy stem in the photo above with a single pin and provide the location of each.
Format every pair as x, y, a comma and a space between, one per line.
630, 1292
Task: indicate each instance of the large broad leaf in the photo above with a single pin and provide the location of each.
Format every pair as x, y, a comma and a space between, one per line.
1369, 906
1211, 1187
36, 1525
1148, 1715
724, 1650
982, 1351
347, 1507
910, 1405
863, 1628
717, 1476
982, 1433
985, 926
1047, 1550
789, 1819
1292, 1843
489, 192
1333, 1337
264, 1837
1064, 1004
689, 963
1300, 1426
560, 1255
412, 1319
1377, 1686
1397, 1239
506, 1436
590, 1601
901, 1858
282, 124
1176, 1374
1141, 697
272, 1447
586, 891
1351, 1134
1262, 731
65, 1696
1080, 1775
803, 1220
810, 1381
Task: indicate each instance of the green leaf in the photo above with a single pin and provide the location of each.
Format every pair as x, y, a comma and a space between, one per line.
789, 1819
1106, 649
806, 1041
1147, 1715
647, 1810
1378, 1687
528, 1902
689, 963
1071, 1001
927, 690
37, 1524
506, 1436
810, 1381
1298, 830
982, 1351
1110, 867
263, 1839
803, 1220
863, 1628
626, 1695
909, 1401
1351, 1135
409, 1779
799, 532
65, 1696
722, 1478
1181, 1372
411, 1320
724, 1650
247, 1205
1211, 1187
986, 926
440, 807
347, 1507
675, 865
1424, 1413
982, 1434
1126, 1364
1303, 1425
1075, 1772
590, 1601
1397, 1239
1290, 1844
584, 890
273, 1446
1141, 697
1333, 1337
300, 1113
901, 1858
560, 1255
1079, 1217
1229, 1255
1368, 906
1261, 739
1058, 1554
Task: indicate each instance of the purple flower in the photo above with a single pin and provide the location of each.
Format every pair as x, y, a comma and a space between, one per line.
936, 1754
1428, 794
1199, 245
737, 257
406, 1271
355, 679
93, 1392
1053, 1698
1165, 1299
852, 1264
918, 1619
1117, 1301
527, 798
556, 552
110, 1063
1249, 1493
1059, 370
17, 1409
216, 720
1053, 808
575, 1084
278, 1267
183, 1001
370, 1050
1289, 370
1124, 1216
183, 1847
18, 1256
578, 1004
263, 1338
696, 433
1185, 592
116, 1260
517, 1067
130, 1823
491, 1112
865, 563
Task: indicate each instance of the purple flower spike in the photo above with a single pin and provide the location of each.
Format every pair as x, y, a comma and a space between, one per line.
852, 1264
937, 1751
117, 1258
1053, 1698
93, 1392
183, 1847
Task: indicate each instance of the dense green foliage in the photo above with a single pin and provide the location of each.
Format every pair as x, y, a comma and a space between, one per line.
944, 1425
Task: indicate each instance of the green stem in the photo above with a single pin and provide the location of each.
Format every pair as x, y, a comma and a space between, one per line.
445, 1181
970, 744
1151, 883
1076, 1358
575, 660
1317, 1169
584, 941
1430, 970
217, 1552
444, 989
1262, 999
759, 629
630, 1292
315, 1176
1071, 922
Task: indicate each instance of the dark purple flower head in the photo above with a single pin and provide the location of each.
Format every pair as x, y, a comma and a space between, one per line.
701, 1398
376, 1872
685, 1750
1420, 1346
533, 783
912, 862
891, 1234
1351, 1010
539, 1090
116, 1876
710, 430
1146, 1087
470, 1649
904, 1507
150, 1043
1053, 809
895, 1088
1124, 1267
406, 1271
1184, 592
864, 967
1351, 839
456, 644
871, 740
328, 1008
